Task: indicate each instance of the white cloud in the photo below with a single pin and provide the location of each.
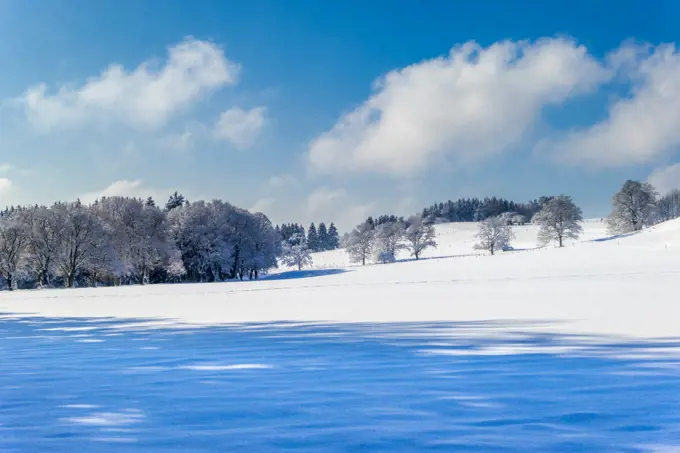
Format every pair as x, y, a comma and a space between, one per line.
639, 128
262, 205
324, 198
240, 127
473, 103
665, 179
4, 168
283, 180
122, 188
335, 205
5, 185
179, 142
145, 97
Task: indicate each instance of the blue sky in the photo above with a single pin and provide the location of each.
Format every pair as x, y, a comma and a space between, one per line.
335, 110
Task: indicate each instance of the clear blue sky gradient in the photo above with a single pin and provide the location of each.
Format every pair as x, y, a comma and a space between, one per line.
308, 62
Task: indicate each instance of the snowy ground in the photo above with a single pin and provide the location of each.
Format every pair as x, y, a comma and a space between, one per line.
573, 349
619, 287
71, 385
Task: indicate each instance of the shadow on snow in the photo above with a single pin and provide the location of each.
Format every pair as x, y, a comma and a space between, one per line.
106, 385
306, 273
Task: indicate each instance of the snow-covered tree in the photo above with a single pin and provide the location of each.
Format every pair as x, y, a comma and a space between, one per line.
176, 200
296, 253
81, 233
559, 219
494, 234
389, 239
323, 237
359, 243
202, 236
13, 240
313, 240
256, 244
633, 207
140, 236
333, 241
513, 218
43, 243
668, 206
419, 236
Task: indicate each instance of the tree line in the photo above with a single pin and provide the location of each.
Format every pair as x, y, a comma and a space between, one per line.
119, 240
380, 241
635, 206
317, 240
478, 209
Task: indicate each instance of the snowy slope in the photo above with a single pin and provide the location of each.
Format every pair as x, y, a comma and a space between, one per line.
457, 239
624, 286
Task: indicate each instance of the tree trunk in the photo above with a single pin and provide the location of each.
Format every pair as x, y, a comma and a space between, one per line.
560, 237
44, 278
70, 279
491, 249
10, 282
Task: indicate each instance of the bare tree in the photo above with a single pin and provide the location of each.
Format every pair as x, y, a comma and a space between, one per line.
419, 236
13, 239
668, 206
359, 243
43, 242
80, 233
633, 207
389, 239
559, 219
494, 234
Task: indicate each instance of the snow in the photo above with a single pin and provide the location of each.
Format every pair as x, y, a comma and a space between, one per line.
571, 349
240, 366
616, 287
341, 387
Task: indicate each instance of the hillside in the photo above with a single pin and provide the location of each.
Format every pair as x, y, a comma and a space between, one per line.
622, 287
457, 239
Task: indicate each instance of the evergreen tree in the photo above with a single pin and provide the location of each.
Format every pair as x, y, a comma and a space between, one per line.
323, 237
175, 201
150, 202
333, 241
313, 242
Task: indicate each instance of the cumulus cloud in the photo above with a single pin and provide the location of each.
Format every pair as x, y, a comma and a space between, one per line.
240, 127
283, 180
144, 97
323, 198
639, 128
179, 142
474, 102
666, 179
5, 185
122, 188
326, 204
262, 205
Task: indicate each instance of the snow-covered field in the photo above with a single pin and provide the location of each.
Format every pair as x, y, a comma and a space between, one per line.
619, 287
524, 351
